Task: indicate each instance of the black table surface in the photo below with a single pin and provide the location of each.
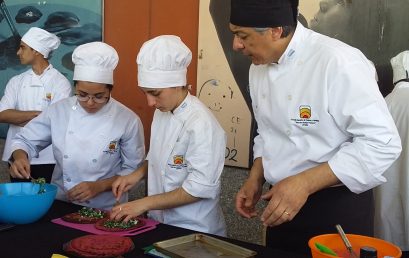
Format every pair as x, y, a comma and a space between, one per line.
43, 238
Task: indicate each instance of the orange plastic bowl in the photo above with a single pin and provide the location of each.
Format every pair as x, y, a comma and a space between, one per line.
334, 242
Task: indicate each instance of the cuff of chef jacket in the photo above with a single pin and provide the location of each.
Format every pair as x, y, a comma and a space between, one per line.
200, 190
15, 147
124, 172
356, 179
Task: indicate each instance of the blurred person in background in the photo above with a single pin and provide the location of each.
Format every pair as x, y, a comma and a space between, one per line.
28, 94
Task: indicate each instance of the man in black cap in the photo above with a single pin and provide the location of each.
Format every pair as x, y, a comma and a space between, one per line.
325, 135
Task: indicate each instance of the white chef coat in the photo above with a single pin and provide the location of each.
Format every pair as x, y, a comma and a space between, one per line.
28, 92
392, 198
321, 103
87, 147
187, 150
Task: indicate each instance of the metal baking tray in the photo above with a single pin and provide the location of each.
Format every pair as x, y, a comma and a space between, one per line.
203, 246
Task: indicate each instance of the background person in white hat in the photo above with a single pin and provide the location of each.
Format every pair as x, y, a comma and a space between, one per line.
187, 145
95, 138
325, 135
392, 198
29, 93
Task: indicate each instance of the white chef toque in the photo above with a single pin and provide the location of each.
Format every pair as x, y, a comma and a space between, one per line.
41, 40
95, 62
400, 66
162, 62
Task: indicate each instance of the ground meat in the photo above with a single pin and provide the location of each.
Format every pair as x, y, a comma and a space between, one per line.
102, 246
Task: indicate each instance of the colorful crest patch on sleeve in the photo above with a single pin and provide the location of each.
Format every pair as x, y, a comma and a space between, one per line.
112, 147
48, 96
178, 162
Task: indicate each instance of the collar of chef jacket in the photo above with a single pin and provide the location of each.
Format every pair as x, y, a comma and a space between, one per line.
36, 80
290, 53
401, 84
183, 106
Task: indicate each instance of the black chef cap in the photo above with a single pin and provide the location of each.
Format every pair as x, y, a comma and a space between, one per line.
263, 13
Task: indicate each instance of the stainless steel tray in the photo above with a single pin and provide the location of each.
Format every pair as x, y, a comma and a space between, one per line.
203, 246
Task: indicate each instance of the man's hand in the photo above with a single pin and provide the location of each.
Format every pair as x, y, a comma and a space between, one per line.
250, 192
247, 198
288, 196
285, 200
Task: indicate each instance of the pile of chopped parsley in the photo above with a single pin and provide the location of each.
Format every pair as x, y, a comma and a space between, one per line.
41, 182
91, 213
120, 224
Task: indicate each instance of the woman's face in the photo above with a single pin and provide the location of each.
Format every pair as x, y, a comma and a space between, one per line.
166, 99
92, 96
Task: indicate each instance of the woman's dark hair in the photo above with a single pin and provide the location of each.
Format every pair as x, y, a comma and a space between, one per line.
109, 86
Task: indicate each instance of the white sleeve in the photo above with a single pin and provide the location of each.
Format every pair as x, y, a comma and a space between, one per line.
205, 159
360, 111
34, 137
9, 99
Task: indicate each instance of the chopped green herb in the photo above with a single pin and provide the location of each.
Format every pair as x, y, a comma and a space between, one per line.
91, 213
41, 182
120, 224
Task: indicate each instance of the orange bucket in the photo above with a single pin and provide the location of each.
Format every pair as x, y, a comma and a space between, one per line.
334, 242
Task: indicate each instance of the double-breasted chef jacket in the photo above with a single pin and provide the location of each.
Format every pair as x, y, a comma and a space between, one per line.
28, 92
321, 103
187, 150
392, 198
87, 147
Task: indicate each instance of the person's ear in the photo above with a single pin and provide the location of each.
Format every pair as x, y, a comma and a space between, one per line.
276, 33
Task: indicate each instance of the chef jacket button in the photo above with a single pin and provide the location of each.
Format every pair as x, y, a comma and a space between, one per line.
65, 156
94, 160
74, 107
68, 179
263, 95
290, 97
288, 132
70, 132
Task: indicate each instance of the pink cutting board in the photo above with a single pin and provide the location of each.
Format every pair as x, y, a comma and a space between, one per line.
90, 228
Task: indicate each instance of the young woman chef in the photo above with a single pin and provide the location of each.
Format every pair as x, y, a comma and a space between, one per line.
187, 146
95, 138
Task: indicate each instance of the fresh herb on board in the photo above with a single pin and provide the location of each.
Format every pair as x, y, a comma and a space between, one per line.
120, 224
41, 182
91, 213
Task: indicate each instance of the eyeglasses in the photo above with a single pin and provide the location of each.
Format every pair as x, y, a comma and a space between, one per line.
86, 97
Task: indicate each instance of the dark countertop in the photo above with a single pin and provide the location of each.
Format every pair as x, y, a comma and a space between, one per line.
43, 238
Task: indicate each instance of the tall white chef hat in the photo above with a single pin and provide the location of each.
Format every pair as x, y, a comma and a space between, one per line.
400, 66
41, 40
95, 62
162, 62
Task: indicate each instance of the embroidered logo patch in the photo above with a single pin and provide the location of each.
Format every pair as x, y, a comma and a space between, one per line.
112, 147
48, 96
305, 111
305, 116
178, 162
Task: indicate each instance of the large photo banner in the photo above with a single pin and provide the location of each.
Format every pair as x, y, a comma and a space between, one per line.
75, 22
